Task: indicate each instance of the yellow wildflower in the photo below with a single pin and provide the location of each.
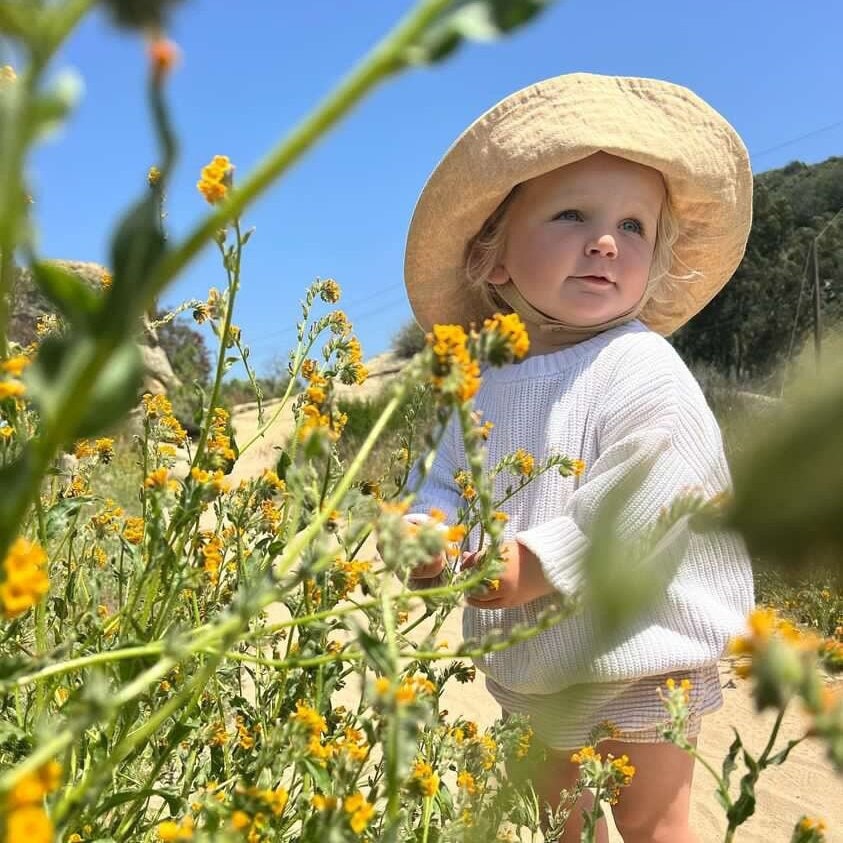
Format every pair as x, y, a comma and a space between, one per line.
524, 462
160, 479
170, 830
11, 389
311, 719
466, 782
133, 529
6, 432
153, 176
216, 179
454, 370
587, 753
104, 449
423, 779
322, 802
30, 824
509, 331
14, 366
240, 820
106, 281
25, 580
329, 291
361, 811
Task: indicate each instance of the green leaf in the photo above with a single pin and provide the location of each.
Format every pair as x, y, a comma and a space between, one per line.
173, 800
60, 362
116, 390
781, 756
136, 248
788, 500
470, 20
59, 516
282, 464
15, 481
72, 296
18, 21
377, 652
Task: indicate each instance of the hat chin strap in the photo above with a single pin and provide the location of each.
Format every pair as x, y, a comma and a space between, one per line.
553, 333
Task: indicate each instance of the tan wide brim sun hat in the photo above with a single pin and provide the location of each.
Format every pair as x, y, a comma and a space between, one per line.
561, 120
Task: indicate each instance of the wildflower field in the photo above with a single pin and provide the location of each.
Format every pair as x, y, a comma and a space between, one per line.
170, 658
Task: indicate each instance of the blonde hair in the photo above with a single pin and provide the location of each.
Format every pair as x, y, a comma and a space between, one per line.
484, 251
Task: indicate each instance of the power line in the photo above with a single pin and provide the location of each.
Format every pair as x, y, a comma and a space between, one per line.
797, 139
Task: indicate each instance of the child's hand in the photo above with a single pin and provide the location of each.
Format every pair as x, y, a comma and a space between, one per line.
424, 576
521, 581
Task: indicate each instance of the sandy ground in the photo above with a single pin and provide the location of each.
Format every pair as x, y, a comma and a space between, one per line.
805, 784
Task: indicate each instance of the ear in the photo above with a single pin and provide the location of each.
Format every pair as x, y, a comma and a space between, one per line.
499, 275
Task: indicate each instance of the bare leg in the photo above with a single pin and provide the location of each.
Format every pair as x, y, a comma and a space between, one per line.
559, 773
655, 806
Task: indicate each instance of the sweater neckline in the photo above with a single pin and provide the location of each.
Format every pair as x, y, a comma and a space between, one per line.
554, 362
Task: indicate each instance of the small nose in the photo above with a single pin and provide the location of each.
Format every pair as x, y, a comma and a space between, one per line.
604, 245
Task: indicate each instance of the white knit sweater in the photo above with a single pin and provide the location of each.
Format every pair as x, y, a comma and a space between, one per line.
617, 400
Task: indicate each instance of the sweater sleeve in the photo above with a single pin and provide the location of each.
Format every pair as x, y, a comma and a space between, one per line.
654, 421
438, 490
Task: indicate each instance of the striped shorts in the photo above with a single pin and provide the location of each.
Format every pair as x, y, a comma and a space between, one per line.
563, 721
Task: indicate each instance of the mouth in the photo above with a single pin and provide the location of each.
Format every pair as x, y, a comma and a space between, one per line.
598, 280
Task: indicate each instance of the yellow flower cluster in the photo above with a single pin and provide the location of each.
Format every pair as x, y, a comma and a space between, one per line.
765, 627
169, 830
106, 521
350, 573
352, 370
153, 176
408, 689
24, 580
360, 811
216, 179
104, 448
524, 462
611, 775
214, 480
133, 529
454, 370
684, 686
465, 483
313, 419
212, 554
423, 780
25, 817
329, 291
158, 409
14, 366
219, 442
577, 468
160, 480
510, 331
466, 782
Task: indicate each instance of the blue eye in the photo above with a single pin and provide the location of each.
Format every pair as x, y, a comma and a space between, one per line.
632, 225
570, 214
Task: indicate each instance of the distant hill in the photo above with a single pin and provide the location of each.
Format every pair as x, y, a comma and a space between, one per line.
746, 330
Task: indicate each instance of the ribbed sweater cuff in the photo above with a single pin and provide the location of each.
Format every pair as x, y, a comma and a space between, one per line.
560, 547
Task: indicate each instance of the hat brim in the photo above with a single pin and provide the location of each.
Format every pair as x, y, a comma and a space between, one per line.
561, 120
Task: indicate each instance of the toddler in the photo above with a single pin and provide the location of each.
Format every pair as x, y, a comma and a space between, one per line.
605, 212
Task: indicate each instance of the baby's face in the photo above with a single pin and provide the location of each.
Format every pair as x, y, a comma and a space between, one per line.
579, 239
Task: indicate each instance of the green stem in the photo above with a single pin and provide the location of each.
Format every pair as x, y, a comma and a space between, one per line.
233, 287
381, 62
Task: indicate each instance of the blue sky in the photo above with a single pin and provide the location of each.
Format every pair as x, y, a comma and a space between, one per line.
251, 69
